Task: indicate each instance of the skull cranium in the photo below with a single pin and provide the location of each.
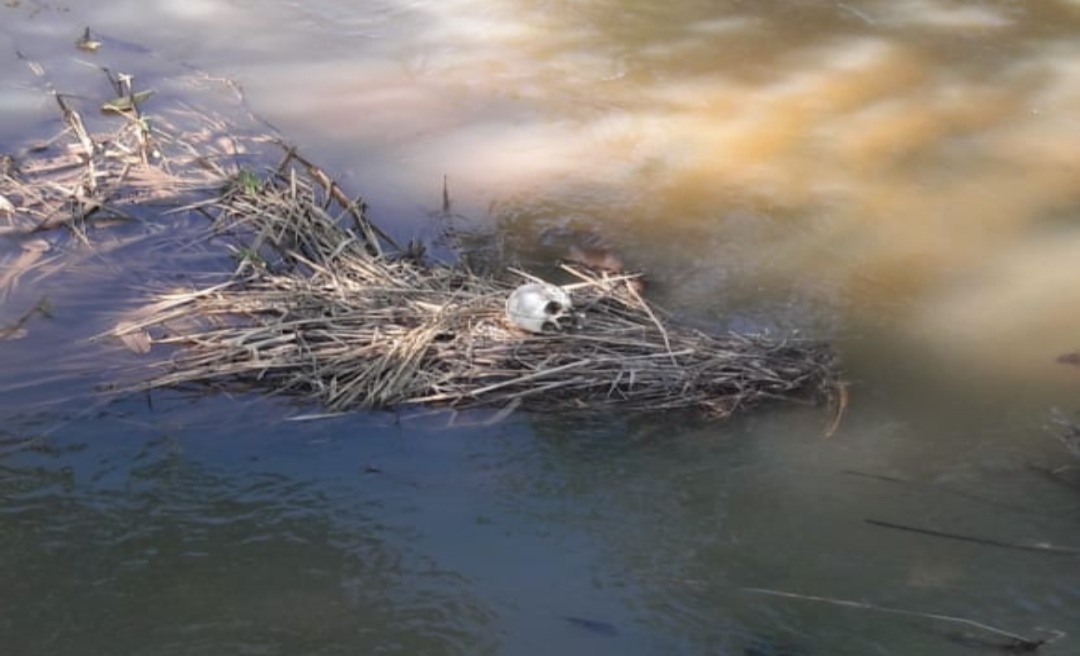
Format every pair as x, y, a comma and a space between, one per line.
537, 307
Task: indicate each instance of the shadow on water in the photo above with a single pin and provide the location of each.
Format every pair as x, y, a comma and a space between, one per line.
136, 533
686, 521
210, 522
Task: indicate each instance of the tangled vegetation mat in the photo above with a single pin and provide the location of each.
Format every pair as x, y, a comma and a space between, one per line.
325, 304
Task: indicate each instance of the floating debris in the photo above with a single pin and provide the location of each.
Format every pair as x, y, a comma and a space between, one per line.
87, 42
324, 304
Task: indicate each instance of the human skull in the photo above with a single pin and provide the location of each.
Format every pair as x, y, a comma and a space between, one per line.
535, 306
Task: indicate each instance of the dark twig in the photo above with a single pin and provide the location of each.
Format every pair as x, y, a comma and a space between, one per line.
938, 489
1066, 430
1017, 642
990, 542
41, 307
1056, 476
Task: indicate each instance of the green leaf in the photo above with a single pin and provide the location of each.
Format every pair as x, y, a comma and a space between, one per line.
127, 103
247, 182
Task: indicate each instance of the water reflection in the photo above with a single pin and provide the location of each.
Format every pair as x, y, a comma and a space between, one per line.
688, 522
219, 545
873, 148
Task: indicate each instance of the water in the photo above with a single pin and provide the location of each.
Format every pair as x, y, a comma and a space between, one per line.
898, 177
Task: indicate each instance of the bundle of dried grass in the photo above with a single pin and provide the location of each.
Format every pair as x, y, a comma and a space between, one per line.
324, 304
81, 177
110, 164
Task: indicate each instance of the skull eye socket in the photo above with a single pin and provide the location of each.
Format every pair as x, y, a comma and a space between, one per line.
552, 307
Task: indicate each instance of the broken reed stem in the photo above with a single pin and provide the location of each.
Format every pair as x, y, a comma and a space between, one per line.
941, 489
1040, 548
13, 329
356, 208
1022, 642
96, 170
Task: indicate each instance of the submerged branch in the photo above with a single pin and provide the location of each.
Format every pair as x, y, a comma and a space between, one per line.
1038, 547
1017, 642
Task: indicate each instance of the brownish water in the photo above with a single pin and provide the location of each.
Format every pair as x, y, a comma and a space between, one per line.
902, 177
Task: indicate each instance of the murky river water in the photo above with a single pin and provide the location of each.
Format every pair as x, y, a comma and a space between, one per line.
901, 177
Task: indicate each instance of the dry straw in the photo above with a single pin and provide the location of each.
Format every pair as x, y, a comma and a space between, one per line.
81, 178
109, 164
325, 305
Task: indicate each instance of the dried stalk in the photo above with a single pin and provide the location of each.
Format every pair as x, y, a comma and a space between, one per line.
325, 304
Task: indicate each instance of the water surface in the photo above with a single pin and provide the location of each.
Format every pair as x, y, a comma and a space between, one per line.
897, 177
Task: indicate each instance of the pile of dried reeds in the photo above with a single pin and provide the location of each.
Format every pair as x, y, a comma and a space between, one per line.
109, 165
324, 304
83, 177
